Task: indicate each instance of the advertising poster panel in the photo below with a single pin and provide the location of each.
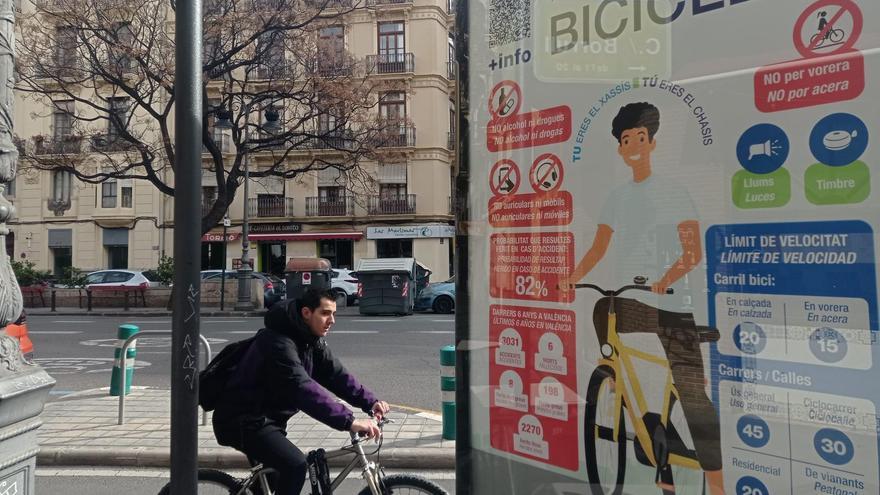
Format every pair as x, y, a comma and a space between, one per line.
673, 278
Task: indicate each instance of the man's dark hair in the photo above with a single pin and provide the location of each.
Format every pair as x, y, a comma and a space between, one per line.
635, 115
312, 298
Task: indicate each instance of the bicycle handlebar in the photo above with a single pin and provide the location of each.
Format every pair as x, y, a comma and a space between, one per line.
613, 293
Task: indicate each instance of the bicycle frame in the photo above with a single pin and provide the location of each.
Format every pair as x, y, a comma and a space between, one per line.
624, 357
370, 471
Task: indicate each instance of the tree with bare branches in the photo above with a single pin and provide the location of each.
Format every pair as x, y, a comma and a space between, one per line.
273, 86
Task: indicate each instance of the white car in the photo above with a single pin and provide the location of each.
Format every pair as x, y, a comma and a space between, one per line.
343, 282
127, 278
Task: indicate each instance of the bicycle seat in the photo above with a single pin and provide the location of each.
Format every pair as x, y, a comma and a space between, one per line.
708, 334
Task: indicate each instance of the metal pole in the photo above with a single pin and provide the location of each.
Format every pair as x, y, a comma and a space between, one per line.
463, 461
223, 270
187, 243
244, 270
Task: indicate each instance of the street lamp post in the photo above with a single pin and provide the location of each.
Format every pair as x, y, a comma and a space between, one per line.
244, 269
226, 224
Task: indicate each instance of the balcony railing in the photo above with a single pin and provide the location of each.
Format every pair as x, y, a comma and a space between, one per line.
392, 205
391, 63
107, 142
326, 66
270, 207
397, 137
451, 141
60, 145
373, 3
330, 4
331, 141
329, 207
451, 72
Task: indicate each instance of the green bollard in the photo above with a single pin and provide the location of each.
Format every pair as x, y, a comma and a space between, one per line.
447, 388
124, 332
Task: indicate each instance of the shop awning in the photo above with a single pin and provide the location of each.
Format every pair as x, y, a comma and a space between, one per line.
307, 236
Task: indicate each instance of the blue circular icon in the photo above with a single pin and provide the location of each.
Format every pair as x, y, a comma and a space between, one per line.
749, 338
839, 139
833, 446
828, 345
753, 431
762, 149
749, 485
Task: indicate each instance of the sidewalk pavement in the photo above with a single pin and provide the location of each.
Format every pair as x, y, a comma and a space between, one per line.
81, 430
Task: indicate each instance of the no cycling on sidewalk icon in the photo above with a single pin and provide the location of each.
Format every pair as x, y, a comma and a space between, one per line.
828, 27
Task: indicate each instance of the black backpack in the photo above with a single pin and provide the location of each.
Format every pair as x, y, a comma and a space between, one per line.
213, 379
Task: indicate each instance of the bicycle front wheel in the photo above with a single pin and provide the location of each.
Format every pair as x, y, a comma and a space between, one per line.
405, 484
606, 457
212, 482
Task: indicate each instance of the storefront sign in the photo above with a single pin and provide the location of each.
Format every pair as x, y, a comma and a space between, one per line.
411, 232
218, 237
275, 228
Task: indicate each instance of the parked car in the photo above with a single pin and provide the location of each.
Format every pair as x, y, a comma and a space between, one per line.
207, 273
344, 283
18, 330
127, 278
274, 288
439, 296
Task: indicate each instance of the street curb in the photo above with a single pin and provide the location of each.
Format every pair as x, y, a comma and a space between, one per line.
148, 457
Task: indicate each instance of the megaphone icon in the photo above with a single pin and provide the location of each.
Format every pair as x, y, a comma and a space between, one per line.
765, 149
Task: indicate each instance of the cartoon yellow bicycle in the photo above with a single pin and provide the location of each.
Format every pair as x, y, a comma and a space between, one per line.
615, 394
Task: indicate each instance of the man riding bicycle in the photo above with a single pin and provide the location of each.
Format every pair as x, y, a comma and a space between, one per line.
289, 368
653, 224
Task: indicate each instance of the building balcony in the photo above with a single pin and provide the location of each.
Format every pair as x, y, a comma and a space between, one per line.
109, 143
451, 70
330, 4
451, 141
392, 205
332, 67
329, 207
270, 207
326, 140
391, 63
403, 136
60, 145
376, 3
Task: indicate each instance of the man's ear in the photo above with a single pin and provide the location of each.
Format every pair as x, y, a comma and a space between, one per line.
620, 148
305, 313
653, 144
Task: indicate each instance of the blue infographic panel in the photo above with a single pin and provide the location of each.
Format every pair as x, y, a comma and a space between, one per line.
795, 368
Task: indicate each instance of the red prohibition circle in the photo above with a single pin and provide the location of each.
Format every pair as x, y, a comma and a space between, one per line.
542, 170
502, 181
846, 6
501, 109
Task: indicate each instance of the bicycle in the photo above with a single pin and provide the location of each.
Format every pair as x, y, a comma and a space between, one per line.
257, 481
657, 441
834, 35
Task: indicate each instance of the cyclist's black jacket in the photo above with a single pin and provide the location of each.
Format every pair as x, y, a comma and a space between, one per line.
286, 370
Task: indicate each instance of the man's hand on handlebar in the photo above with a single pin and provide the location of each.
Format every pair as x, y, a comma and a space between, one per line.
380, 409
366, 428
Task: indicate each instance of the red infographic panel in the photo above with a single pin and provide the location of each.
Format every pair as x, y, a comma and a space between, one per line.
533, 384
530, 265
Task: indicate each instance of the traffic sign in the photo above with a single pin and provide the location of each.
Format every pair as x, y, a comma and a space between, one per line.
546, 173
504, 178
505, 100
836, 30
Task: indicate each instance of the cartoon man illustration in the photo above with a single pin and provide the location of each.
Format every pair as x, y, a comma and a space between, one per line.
651, 227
